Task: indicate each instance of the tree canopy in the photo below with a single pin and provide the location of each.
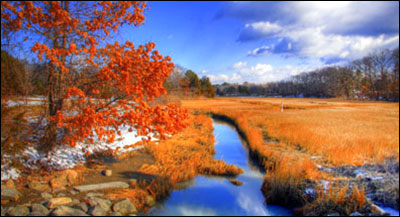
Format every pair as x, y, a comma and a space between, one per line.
67, 39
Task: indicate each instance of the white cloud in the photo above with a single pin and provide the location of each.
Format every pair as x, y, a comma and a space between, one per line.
239, 65
320, 29
264, 73
260, 51
259, 73
203, 72
313, 42
195, 211
220, 78
252, 207
265, 27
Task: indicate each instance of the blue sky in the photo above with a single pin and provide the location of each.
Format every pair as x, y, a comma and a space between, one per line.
265, 41
260, 42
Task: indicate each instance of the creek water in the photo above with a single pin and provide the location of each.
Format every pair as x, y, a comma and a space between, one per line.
211, 195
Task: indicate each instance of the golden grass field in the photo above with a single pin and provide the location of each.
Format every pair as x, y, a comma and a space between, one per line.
337, 132
307, 134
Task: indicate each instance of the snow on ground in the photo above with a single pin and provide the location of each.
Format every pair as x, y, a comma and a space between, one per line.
9, 173
66, 157
12, 103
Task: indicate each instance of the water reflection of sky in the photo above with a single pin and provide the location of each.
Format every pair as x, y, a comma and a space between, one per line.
209, 196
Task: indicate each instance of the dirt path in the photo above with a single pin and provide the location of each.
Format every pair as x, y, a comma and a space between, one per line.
122, 170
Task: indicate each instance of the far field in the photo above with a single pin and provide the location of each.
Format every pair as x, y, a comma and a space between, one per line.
338, 132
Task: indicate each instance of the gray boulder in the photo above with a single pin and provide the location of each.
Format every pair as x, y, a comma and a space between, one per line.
103, 203
39, 209
67, 211
18, 211
10, 194
97, 211
124, 207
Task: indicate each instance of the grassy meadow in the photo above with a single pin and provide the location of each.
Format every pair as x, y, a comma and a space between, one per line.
292, 145
334, 132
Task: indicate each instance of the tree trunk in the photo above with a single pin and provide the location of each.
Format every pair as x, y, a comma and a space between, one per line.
56, 87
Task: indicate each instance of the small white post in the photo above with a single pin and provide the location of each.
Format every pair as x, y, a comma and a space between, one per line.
282, 106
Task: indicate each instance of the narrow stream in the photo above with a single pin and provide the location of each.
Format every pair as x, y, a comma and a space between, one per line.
210, 195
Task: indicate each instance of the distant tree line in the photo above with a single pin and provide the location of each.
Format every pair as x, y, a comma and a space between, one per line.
20, 78
187, 83
375, 76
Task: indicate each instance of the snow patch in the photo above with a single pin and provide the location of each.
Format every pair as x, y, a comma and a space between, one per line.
360, 173
66, 157
325, 184
310, 191
9, 173
12, 103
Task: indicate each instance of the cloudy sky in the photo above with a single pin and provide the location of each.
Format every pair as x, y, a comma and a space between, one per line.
266, 41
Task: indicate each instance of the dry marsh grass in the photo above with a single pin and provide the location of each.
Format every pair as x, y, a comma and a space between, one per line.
188, 154
337, 199
308, 132
340, 132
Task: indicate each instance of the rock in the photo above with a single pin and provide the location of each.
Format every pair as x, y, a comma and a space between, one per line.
356, 214
106, 172
58, 201
46, 196
18, 211
57, 190
94, 194
61, 195
96, 201
378, 211
124, 207
75, 202
150, 201
36, 214
59, 182
73, 192
39, 208
97, 211
67, 211
65, 178
10, 194
115, 214
37, 186
72, 176
10, 184
84, 188
82, 206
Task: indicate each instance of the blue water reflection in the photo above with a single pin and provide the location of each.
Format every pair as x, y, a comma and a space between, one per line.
210, 196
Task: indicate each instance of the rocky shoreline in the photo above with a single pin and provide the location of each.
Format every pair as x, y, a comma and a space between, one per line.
62, 196
380, 183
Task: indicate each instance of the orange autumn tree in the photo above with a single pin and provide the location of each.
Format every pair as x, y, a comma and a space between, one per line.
69, 32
